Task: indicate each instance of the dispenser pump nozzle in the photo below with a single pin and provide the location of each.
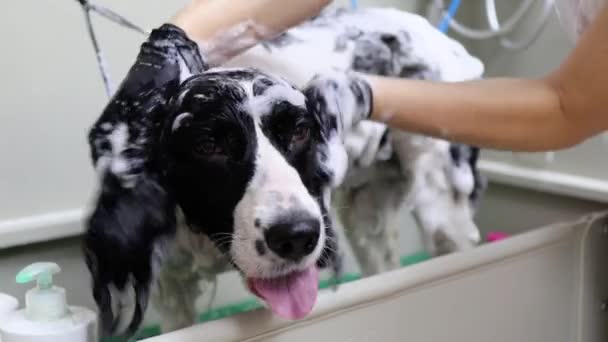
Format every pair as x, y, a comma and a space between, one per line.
45, 302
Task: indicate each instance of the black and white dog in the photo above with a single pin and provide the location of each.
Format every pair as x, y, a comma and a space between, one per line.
389, 170
202, 168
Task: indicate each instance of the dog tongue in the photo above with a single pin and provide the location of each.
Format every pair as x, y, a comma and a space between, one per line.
292, 296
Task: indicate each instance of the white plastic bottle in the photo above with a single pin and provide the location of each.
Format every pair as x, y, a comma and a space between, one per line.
47, 316
8, 304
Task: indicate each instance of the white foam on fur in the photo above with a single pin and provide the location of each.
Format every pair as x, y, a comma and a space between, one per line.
226, 44
337, 160
299, 60
113, 161
363, 143
178, 120
462, 178
184, 71
262, 104
429, 44
298, 63
432, 196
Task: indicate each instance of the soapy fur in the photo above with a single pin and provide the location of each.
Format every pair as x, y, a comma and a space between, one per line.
234, 160
388, 170
378, 171
169, 199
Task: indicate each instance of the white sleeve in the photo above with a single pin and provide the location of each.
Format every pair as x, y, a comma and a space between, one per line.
576, 15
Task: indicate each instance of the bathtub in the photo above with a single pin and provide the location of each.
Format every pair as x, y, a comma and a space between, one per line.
545, 285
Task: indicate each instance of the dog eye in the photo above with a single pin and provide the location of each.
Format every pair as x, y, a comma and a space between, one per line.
208, 147
300, 134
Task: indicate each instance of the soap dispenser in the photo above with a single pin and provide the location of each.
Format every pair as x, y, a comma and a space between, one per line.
47, 316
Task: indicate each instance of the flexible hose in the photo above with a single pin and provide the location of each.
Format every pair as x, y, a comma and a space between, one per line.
491, 15
507, 27
87, 8
531, 38
444, 25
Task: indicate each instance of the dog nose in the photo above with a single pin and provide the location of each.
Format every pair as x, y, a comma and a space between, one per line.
293, 240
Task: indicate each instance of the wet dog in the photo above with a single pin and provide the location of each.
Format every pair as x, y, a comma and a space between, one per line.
202, 168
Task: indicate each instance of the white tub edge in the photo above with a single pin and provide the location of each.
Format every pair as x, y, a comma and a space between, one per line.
349, 296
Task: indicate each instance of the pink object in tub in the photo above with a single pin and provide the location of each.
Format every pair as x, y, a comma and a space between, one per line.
496, 236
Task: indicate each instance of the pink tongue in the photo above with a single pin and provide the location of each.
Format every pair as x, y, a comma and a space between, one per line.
292, 296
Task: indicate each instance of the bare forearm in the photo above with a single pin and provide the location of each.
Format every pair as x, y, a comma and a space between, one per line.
226, 28
511, 114
558, 111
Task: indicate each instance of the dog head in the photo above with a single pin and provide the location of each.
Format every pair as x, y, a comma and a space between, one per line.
246, 165
247, 158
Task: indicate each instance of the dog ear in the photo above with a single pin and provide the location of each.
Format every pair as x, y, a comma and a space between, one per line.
337, 101
133, 218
